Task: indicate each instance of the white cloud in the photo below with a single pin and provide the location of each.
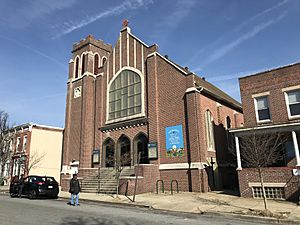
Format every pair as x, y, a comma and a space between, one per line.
220, 52
36, 52
21, 15
236, 29
264, 12
181, 9
70, 26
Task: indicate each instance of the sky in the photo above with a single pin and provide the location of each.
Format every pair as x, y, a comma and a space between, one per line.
219, 40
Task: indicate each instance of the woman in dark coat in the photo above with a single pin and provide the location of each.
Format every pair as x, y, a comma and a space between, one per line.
74, 190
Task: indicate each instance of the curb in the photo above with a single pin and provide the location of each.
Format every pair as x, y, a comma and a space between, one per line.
219, 214
134, 205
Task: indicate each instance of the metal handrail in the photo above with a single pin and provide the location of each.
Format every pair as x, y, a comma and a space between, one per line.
163, 186
176, 186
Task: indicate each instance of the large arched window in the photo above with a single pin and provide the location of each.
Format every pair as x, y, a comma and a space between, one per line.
125, 98
209, 125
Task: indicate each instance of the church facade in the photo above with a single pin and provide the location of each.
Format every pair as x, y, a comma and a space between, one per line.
127, 105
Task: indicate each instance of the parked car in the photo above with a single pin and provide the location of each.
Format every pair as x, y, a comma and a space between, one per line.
35, 186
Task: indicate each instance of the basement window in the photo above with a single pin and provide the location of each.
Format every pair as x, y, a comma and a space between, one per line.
271, 192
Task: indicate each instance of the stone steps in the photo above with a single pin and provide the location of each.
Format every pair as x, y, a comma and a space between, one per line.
107, 182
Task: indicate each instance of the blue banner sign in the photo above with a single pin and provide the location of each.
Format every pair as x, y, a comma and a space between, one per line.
174, 141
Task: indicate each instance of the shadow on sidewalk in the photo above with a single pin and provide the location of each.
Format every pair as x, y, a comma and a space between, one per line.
228, 192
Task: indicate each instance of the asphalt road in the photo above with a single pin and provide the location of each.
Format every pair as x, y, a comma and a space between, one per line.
23, 211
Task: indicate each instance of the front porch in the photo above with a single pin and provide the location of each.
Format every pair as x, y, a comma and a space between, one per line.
279, 180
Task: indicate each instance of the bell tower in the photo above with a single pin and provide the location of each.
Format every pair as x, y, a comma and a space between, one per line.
85, 67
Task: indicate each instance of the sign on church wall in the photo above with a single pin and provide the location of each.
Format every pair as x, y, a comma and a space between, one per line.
174, 141
152, 150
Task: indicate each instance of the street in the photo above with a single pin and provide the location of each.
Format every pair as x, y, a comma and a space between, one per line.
43, 211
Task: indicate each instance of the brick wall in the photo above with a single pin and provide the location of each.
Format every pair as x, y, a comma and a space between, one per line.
270, 175
272, 81
148, 175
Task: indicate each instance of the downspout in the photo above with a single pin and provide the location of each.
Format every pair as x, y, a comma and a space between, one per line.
197, 126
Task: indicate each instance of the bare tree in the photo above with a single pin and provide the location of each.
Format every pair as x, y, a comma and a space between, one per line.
5, 141
261, 149
34, 161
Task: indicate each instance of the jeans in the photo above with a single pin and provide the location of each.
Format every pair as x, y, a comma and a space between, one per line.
20, 190
76, 197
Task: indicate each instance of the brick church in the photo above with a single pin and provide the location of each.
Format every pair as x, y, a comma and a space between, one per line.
129, 105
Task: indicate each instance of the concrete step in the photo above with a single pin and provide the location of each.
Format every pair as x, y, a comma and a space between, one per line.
108, 183
102, 190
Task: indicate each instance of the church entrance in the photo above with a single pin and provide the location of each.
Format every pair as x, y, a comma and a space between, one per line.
124, 151
141, 146
109, 148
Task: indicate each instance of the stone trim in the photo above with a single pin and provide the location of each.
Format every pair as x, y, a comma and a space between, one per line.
175, 166
124, 125
258, 184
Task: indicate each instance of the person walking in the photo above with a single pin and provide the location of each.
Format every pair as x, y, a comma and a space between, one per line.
74, 190
21, 185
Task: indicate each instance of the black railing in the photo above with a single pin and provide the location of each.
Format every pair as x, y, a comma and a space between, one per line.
176, 186
162, 186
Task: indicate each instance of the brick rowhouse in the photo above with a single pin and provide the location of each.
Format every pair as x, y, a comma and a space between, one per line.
277, 92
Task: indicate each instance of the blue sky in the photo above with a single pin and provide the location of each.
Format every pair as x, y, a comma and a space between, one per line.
220, 40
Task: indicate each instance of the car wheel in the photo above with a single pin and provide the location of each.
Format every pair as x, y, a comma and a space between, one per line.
54, 196
12, 195
32, 194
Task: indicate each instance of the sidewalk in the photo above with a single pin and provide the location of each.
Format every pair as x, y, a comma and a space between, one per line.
211, 203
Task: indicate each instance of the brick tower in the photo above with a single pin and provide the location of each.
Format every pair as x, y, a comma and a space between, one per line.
88, 59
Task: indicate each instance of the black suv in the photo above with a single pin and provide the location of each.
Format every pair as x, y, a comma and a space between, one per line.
35, 186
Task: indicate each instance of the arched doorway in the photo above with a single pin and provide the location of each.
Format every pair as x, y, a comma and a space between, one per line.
125, 153
109, 148
141, 146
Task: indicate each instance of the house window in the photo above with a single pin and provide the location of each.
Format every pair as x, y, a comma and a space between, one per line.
209, 122
293, 103
24, 142
228, 122
18, 144
271, 192
262, 109
125, 98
